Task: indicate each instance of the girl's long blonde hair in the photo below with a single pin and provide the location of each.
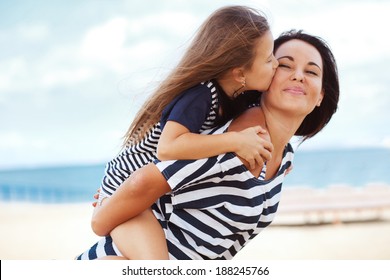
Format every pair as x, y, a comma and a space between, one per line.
225, 40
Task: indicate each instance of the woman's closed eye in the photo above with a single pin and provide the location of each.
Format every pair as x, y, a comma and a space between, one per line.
281, 65
311, 72
287, 66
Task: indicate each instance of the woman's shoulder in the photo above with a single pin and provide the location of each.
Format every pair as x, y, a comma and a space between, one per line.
251, 117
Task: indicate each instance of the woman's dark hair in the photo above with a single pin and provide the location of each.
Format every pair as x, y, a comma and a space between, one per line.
320, 116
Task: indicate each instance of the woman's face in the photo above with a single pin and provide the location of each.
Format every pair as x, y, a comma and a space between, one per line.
259, 76
297, 83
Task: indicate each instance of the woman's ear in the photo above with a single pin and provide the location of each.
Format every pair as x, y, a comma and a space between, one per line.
320, 99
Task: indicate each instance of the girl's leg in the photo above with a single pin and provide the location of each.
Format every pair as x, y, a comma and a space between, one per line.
141, 238
103, 249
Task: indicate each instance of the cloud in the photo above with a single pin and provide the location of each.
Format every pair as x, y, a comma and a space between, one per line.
127, 43
11, 71
354, 29
105, 42
33, 33
119, 46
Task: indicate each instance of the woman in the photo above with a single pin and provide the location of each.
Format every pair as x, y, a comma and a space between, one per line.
211, 208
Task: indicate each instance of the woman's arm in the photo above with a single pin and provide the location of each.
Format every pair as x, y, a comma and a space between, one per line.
134, 196
177, 142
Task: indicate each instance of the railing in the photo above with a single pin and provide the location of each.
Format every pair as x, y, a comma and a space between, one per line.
335, 204
43, 194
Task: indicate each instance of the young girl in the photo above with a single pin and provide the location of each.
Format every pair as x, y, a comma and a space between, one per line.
231, 53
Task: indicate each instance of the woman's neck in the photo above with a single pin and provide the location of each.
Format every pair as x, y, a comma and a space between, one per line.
281, 128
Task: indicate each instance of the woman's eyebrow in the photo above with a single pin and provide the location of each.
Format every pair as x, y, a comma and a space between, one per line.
292, 59
287, 56
315, 64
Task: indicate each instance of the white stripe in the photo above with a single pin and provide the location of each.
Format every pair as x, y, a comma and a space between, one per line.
240, 225
189, 252
84, 256
194, 230
215, 191
183, 173
206, 219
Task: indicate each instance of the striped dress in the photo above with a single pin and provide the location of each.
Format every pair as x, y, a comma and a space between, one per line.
216, 205
133, 157
215, 208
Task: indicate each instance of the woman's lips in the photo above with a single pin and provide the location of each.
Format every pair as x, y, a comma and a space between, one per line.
295, 90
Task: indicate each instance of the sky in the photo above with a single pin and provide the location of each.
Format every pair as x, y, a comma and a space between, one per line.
74, 73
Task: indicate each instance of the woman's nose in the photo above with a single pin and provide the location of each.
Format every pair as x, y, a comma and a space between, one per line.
297, 75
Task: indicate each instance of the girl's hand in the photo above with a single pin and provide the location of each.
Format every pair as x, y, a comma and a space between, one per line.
255, 146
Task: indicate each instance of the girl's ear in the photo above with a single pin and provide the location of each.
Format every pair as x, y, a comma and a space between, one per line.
238, 74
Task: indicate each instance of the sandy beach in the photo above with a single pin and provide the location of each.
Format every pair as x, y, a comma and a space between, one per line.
31, 231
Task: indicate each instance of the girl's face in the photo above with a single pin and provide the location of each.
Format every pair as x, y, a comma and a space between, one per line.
297, 84
259, 76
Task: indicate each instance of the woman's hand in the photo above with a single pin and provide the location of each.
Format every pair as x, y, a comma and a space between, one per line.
255, 146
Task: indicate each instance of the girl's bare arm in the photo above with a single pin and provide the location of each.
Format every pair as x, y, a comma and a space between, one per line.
177, 142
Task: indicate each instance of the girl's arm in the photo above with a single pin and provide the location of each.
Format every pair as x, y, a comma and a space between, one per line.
177, 142
134, 196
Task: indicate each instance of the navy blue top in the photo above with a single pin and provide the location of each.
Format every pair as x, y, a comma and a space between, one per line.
190, 108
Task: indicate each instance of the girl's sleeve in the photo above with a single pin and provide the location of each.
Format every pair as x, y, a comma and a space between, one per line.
178, 173
183, 175
190, 109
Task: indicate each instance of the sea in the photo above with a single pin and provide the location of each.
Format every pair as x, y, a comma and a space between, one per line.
316, 169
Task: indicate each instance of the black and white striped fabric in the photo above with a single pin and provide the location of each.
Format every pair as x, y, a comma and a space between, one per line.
215, 208
133, 157
216, 205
